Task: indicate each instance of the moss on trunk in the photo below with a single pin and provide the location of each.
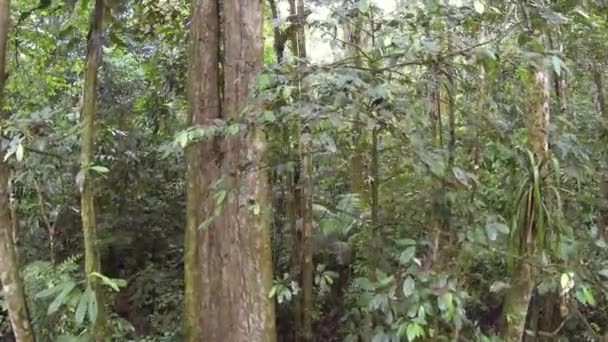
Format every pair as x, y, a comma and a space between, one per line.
518, 297
87, 153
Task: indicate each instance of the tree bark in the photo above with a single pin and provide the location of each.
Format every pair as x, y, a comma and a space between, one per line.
228, 259
12, 286
87, 153
518, 297
299, 48
203, 169
279, 36
357, 176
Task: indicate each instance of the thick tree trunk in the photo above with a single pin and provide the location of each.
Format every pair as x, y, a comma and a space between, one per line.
87, 145
203, 170
12, 287
228, 256
518, 297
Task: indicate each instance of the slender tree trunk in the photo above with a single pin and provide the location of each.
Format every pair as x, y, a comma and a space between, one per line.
600, 100
228, 256
87, 153
435, 115
357, 177
279, 36
375, 205
307, 248
299, 48
12, 286
295, 255
599, 88
518, 297
296, 201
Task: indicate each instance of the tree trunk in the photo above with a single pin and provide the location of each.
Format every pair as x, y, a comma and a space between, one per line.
10, 276
375, 206
518, 297
299, 48
228, 258
307, 247
357, 178
599, 88
203, 170
87, 153
279, 36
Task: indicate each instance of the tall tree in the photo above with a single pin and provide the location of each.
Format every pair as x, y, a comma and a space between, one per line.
228, 257
519, 295
299, 48
87, 154
10, 276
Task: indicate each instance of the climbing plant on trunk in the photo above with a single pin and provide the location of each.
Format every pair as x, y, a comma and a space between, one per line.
531, 229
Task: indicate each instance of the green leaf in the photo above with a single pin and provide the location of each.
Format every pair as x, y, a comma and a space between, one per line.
499, 286
84, 5
81, 310
92, 307
567, 281
401, 332
182, 139
50, 291
409, 286
62, 297
268, 116
588, 295
220, 196
414, 331
256, 208
492, 229
340, 100
407, 255
19, 152
115, 284
264, 81
234, 129
100, 169
480, 7
557, 65
405, 242
208, 221
273, 292
363, 6
445, 301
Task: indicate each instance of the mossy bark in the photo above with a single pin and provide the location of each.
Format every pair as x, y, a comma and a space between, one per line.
518, 297
228, 257
12, 286
87, 153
